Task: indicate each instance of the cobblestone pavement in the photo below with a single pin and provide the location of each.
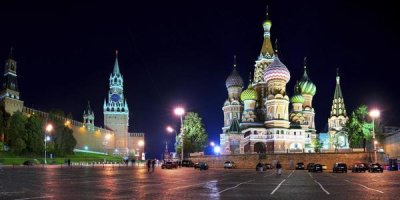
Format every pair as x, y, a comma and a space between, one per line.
187, 183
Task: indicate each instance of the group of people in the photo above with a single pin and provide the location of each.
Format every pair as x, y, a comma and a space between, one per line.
151, 165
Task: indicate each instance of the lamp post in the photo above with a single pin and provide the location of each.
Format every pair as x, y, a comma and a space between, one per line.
170, 130
374, 114
49, 128
180, 112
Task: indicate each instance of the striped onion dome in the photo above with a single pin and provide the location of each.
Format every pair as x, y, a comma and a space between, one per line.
306, 85
276, 70
249, 94
297, 97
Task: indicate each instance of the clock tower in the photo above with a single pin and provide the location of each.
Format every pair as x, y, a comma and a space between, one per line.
116, 112
9, 94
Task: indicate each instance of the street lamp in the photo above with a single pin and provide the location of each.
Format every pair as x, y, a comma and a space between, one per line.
49, 128
375, 113
170, 130
217, 149
180, 111
212, 144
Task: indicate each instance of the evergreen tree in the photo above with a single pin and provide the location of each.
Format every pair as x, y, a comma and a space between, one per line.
35, 135
64, 141
195, 134
16, 134
358, 128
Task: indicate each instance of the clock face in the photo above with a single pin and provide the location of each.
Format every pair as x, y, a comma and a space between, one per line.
115, 97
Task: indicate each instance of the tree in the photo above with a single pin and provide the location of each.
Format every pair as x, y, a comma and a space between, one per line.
316, 144
195, 136
358, 128
35, 135
4, 117
64, 141
15, 136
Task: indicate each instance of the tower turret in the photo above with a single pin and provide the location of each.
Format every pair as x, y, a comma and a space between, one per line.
249, 98
9, 95
116, 112
232, 108
88, 118
277, 104
338, 116
308, 90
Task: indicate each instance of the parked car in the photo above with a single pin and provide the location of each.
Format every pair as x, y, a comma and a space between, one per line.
300, 165
359, 167
187, 163
169, 165
31, 162
339, 167
324, 167
203, 166
375, 167
229, 164
309, 166
316, 168
196, 165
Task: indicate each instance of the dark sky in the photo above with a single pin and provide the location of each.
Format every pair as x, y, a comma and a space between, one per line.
180, 52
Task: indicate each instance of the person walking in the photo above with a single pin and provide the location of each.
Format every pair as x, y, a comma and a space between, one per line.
69, 162
148, 166
153, 162
278, 168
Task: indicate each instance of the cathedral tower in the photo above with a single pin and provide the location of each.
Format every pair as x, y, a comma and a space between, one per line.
277, 104
232, 108
88, 118
249, 99
9, 95
308, 90
264, 60
116, 112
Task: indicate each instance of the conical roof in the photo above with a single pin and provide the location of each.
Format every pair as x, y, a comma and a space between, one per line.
338, 107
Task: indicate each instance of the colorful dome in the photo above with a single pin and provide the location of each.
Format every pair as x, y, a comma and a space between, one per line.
297, 99
249, 94
306, 85
234, 79
276, 70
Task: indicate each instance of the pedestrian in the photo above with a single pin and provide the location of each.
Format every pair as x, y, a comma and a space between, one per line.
69, 163
153, 162
278, 168
148, 165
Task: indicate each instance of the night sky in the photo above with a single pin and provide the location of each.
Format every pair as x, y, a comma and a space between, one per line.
181, 52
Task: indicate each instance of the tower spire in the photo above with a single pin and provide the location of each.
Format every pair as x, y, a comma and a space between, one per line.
234, 61
338, 107
116, 66
276, 46
11, 56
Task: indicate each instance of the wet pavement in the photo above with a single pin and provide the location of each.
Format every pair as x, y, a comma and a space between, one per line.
187, 183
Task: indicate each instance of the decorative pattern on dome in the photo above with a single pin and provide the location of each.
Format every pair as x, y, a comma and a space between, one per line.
306, 85
277, 70
297, 97
249, 94
234, 79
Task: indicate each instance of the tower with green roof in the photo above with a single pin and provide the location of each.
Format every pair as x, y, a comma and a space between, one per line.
338, 117
249, 98
308, 90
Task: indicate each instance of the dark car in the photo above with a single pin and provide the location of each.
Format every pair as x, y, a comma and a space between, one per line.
300, 165
375, 167
31, 162
169, 165
203, 166
316, 168
187, 163
359, 167
196, 165
310, 166
339, 167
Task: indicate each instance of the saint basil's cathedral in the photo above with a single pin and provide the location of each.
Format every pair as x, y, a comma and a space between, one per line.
258, 119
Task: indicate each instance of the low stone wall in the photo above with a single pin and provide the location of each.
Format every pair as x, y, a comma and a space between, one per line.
249, 161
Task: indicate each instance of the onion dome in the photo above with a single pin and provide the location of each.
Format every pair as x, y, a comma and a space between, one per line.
306, 85
249, 94
276, 70
234, 79
297, 97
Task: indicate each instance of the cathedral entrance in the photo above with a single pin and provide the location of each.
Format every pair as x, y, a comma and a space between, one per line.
259, 147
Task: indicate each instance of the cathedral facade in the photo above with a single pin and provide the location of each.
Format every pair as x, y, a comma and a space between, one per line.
260, 118
114, 138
